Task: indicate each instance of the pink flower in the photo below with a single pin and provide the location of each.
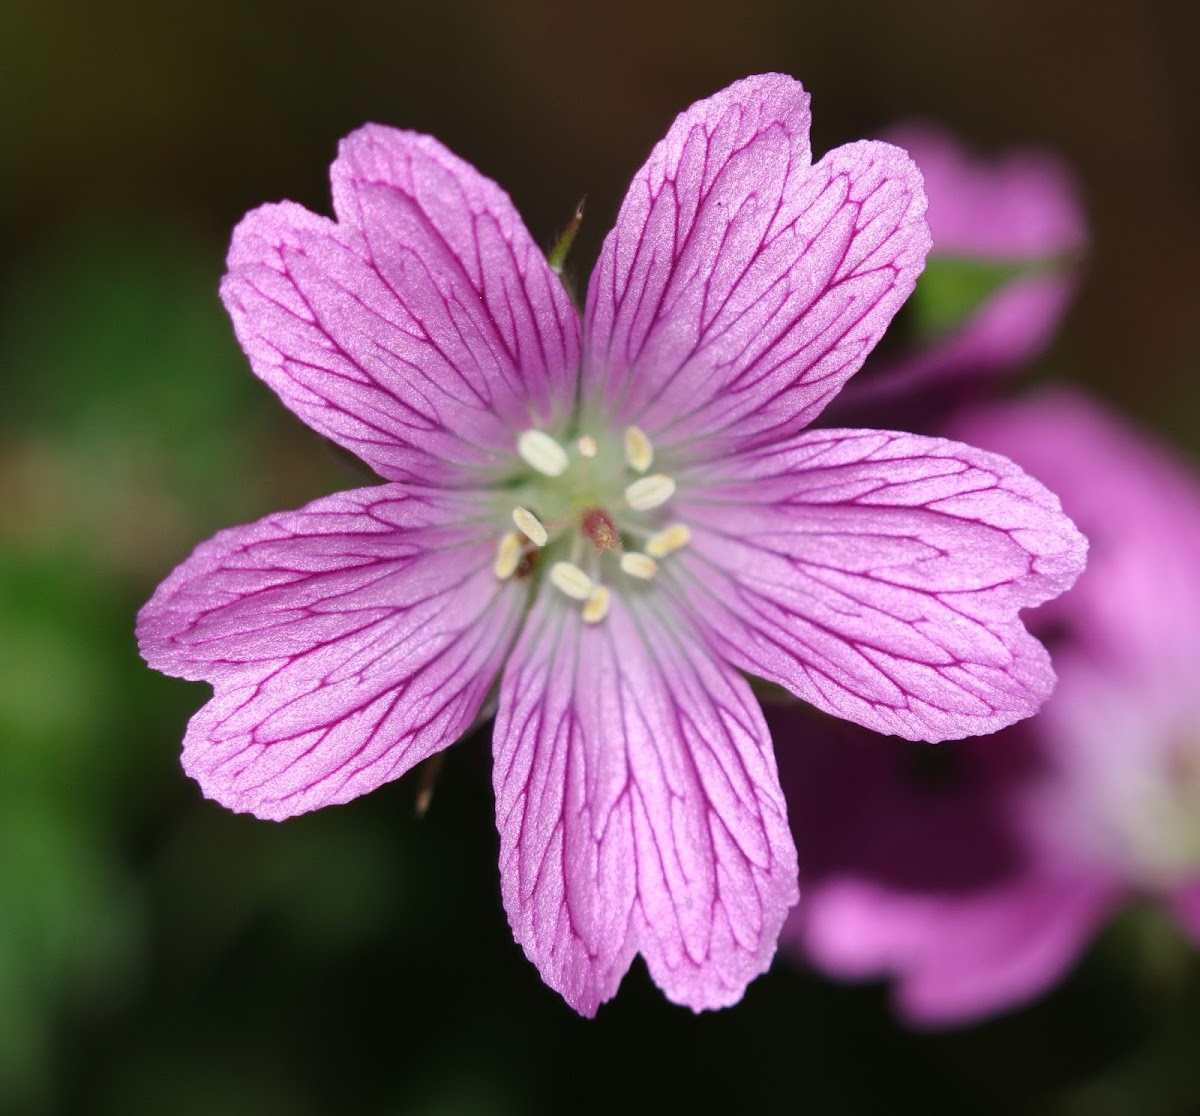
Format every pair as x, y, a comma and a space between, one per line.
975, 877
1008, 236
610, 519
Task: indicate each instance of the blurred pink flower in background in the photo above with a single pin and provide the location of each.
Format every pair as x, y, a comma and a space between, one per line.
1008, 240
975, 875
608, 520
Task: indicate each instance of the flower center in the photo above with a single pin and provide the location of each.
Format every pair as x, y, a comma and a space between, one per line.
590, 515
1163, 820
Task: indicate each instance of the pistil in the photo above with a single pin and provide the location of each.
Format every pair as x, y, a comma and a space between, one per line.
597, 524
589, 512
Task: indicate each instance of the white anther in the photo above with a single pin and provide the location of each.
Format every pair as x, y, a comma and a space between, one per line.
649, 492
668, 540
569, 578
508, 556
639, 565
595, 608
587, 446
529, 526
639, 453
543, 453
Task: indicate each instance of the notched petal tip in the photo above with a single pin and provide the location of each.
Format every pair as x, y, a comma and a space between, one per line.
742, 285
881, 576
639, 810
345, 642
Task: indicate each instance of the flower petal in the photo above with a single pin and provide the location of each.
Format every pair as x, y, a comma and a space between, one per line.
345, 642
879, 576
424, 328
1139, 606
1021, 204
957, 958
1020, 211
639, 810
930, 864
741, 285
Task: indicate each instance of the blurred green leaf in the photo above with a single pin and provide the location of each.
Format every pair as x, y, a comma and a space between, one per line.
951, 289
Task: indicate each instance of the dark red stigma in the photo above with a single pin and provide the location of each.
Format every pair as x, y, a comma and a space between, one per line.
599, 527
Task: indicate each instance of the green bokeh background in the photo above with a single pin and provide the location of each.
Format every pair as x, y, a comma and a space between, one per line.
158, 954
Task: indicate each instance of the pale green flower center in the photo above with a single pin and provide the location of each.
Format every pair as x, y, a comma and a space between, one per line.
590, 516
1162, 819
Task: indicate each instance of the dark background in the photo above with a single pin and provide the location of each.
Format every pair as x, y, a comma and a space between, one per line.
158, 954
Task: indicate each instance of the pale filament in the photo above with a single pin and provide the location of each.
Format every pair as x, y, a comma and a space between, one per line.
587, 446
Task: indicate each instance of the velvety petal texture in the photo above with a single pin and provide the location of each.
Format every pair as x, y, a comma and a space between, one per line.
424, 328
345, 642
639, 810
742, 286
879, 576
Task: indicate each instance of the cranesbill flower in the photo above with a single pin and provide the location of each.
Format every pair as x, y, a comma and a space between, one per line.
976, 876
613, 518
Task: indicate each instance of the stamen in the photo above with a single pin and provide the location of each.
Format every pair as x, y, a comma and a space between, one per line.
543, 453
529, 526
639, 453
650, 492
668, 540
570, 579
639, 565
508, 556
587, 446
595, 608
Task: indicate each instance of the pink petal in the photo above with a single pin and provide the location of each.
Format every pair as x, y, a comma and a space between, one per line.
1009, 330
639, 810
345, 642
424, 328
930, 865
957, 958
1020, 208
741, 285
879, 576
1139, 605
1021, 205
